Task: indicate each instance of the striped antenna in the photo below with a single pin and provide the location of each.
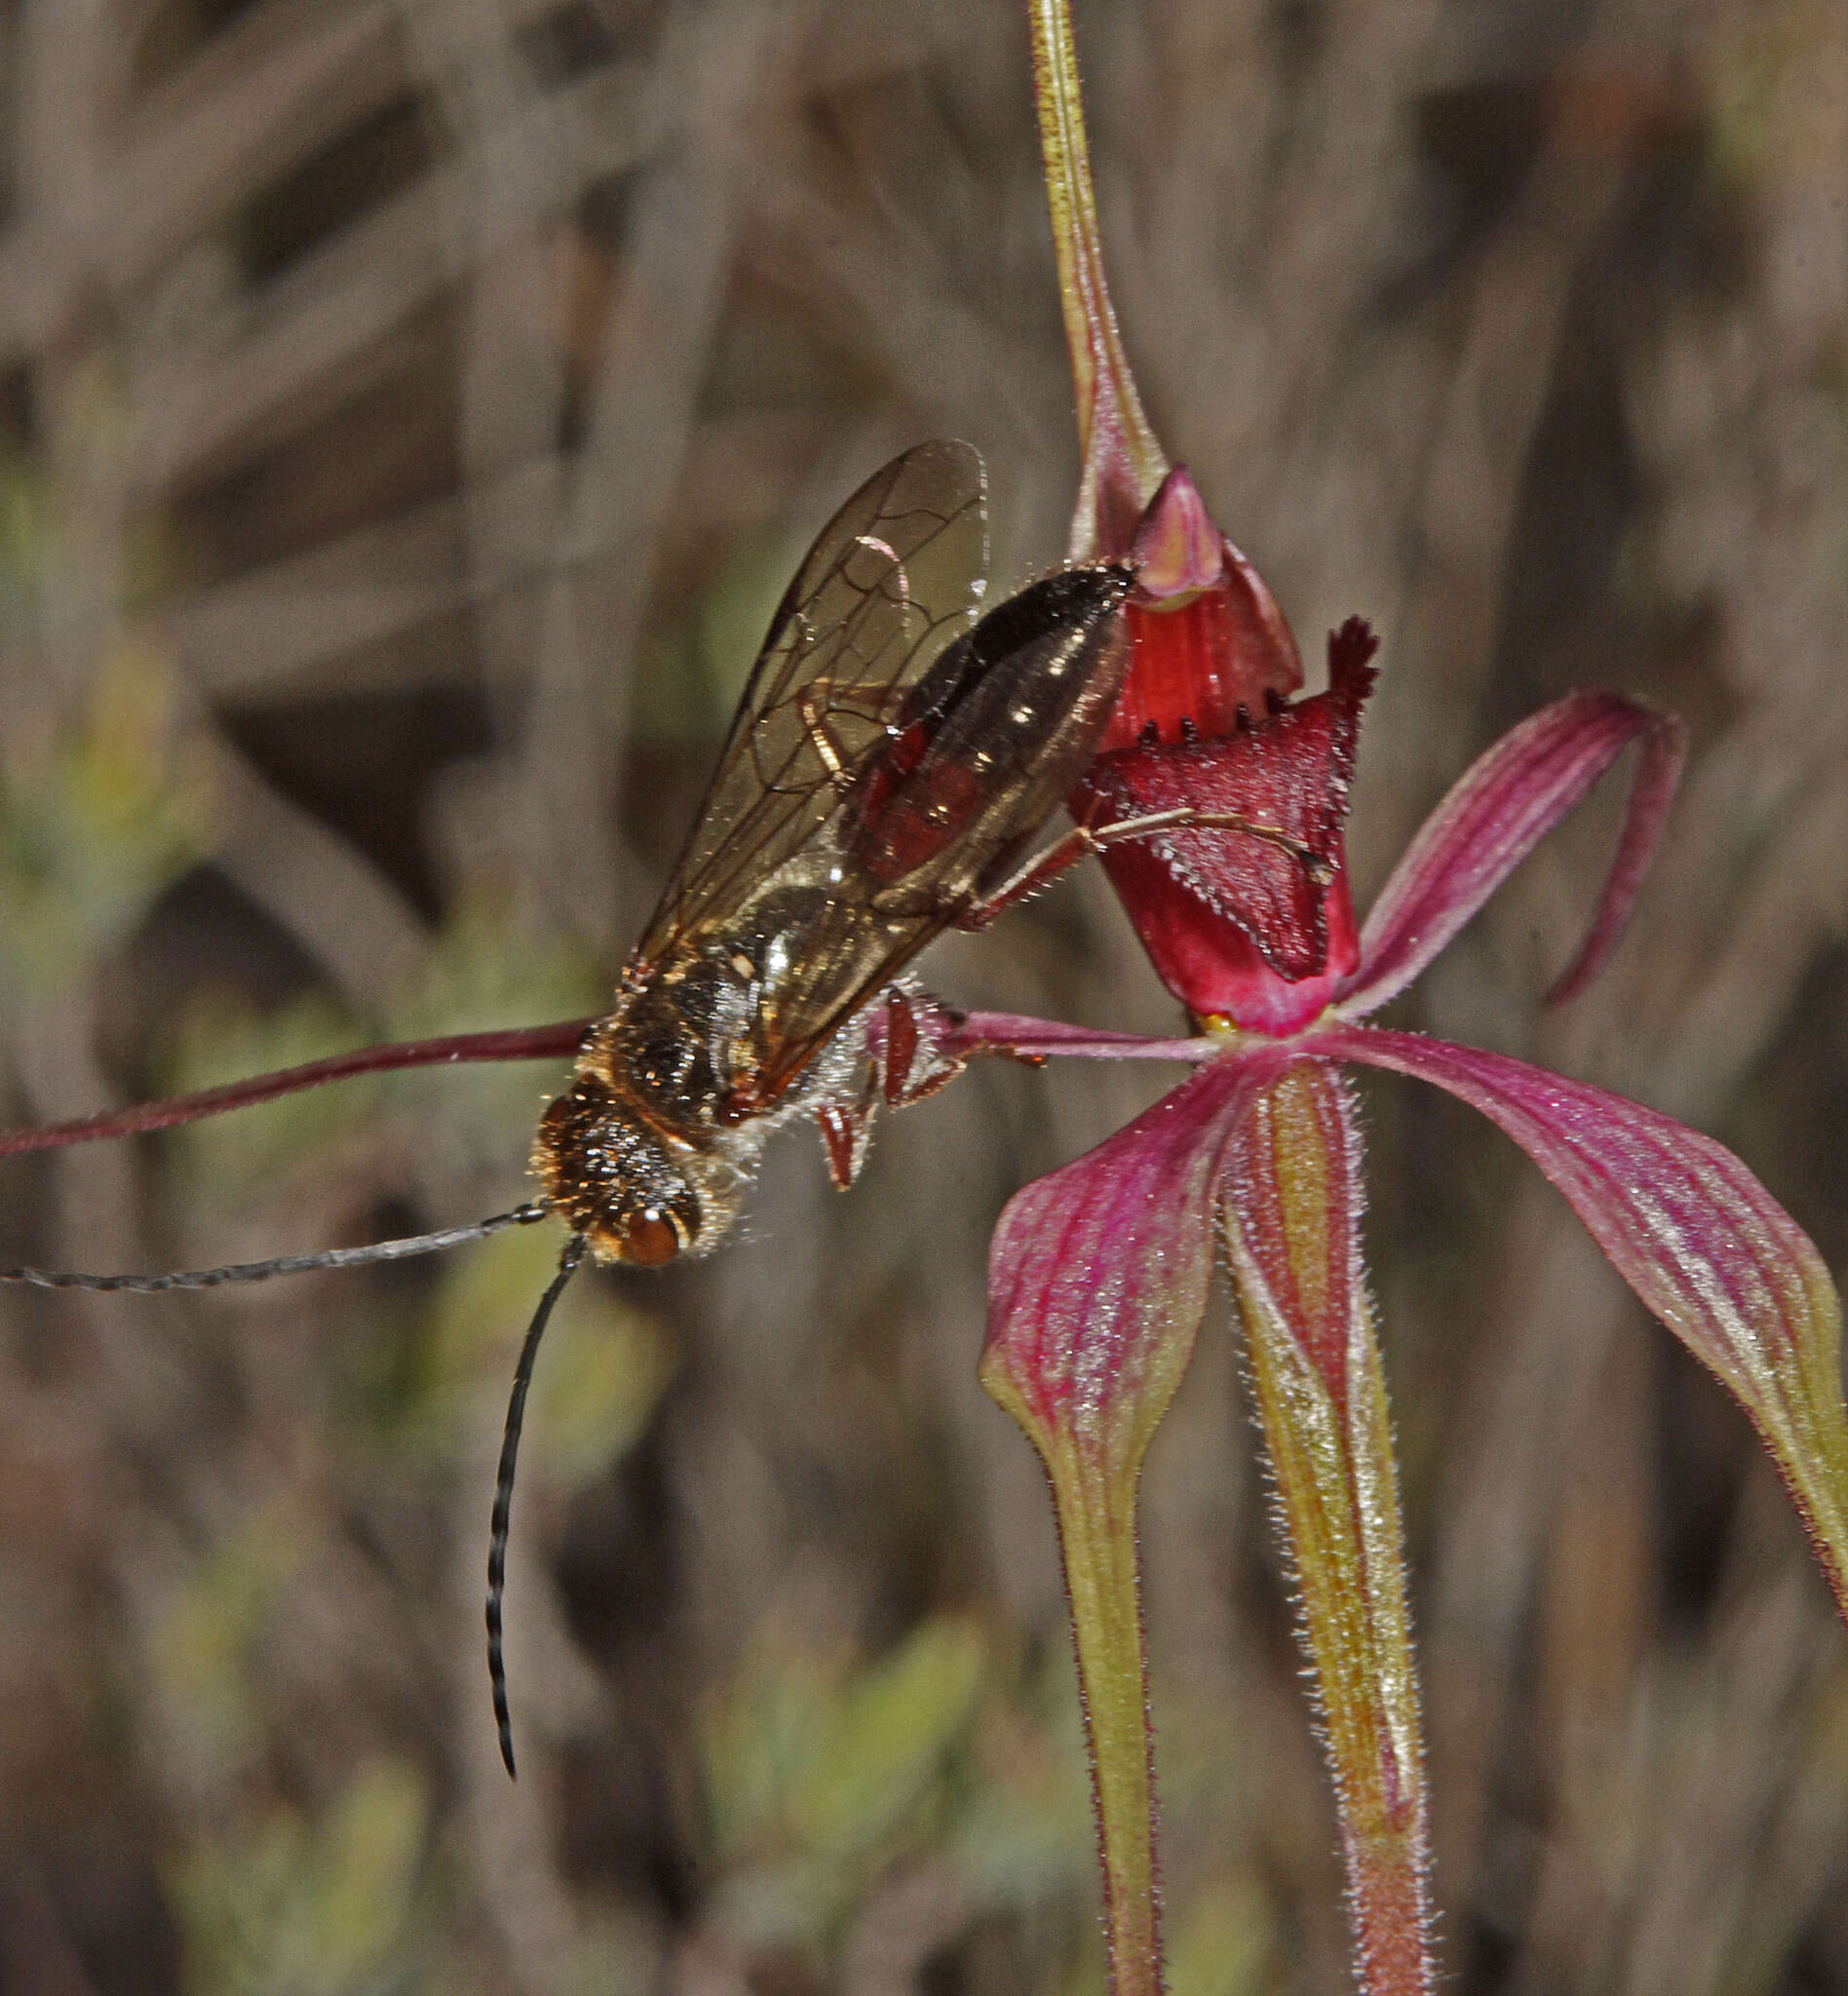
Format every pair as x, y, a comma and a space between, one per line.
402, 1249
504, 1491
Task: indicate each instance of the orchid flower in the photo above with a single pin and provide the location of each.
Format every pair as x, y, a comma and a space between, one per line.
1099, 1274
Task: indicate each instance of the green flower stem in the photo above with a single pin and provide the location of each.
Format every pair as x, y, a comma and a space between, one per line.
1123, 461
1095, 1503
1321, 1401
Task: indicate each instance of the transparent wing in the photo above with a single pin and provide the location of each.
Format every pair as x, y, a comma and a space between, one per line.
892, 580
983, 749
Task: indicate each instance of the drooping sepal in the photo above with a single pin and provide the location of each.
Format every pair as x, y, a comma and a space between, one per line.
1291, 1218
1097, 1282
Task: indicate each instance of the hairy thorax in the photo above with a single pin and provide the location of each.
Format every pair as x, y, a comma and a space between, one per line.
650, 1151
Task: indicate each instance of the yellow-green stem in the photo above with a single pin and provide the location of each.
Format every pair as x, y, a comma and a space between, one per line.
1097, 1530
1122, 460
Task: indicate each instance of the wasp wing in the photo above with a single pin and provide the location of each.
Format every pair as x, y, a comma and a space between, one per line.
890, 582
984, 749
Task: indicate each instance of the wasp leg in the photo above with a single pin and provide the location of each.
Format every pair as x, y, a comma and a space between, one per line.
819, 698
906, 1063
1084, 840
912, 1065
846, 1127
900, 1046
846, 1133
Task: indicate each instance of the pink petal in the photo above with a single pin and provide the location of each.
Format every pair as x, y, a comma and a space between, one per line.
1033, 1040
1495, 814
1097, 1275
1703, 1243
513, 1043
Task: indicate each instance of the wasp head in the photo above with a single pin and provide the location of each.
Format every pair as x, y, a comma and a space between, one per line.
611, 1178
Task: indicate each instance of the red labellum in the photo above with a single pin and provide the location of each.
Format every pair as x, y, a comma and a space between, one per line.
1240, 926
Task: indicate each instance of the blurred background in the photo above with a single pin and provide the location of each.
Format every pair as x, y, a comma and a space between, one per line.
409, 410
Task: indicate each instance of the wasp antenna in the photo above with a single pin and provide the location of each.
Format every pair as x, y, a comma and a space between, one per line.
401, 1249
504, 1491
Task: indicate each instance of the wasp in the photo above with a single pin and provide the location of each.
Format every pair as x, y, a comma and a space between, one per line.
893, 756
889, 761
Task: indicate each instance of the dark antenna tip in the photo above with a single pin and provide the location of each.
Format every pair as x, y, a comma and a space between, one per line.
504, 1492
401, 1249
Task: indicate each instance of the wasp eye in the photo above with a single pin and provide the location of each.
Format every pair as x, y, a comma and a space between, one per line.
655, 1236
648, 1240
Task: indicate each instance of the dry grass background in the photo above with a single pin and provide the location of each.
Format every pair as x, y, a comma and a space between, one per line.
408, 409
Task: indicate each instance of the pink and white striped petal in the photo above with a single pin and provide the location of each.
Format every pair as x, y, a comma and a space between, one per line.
1703, 1243
1097, 1274
1034, 1040
1494, 815
1097, 1283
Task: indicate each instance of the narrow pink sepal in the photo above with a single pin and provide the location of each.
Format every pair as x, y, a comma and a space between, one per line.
1294, 1198
1705, 1246
1098, 1281
1494, 815
1293, 1204
1097, 1274
1023, 1038
513, 1043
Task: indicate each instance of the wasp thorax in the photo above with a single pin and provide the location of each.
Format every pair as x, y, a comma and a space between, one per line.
611, 1179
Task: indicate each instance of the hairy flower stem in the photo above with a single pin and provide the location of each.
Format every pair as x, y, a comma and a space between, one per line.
1097, 1532
1321, 1401
1123, 459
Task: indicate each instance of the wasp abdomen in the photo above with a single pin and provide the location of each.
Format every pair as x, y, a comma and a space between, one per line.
1013, 706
